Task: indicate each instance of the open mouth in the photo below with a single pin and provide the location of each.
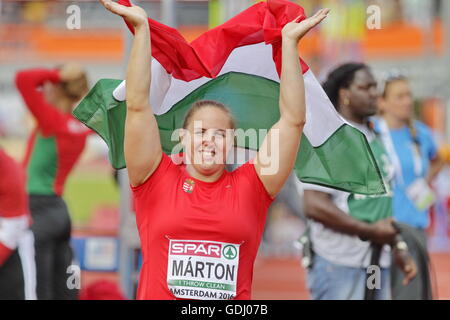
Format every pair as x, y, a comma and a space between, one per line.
208, 152
208, 155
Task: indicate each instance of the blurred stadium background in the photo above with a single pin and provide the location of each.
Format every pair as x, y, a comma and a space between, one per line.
414, 39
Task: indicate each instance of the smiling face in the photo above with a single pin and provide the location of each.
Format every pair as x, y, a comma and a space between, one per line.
207, 139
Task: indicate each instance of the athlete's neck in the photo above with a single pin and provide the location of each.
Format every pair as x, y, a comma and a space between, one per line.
393, 122
206, 178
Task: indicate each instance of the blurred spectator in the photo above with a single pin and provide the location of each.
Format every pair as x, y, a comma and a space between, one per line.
102, 290
54, 147
17, 267
414, 153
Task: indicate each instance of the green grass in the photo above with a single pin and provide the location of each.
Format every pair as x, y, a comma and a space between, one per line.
84, 193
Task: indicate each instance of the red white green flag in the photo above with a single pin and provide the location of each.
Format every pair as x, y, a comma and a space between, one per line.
238, 63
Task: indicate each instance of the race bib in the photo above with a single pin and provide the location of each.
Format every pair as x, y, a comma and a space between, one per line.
421, 194
203, 270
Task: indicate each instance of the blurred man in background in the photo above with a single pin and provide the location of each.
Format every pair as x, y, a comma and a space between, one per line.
350, 232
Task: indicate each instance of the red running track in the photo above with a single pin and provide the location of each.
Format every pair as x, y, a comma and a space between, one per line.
284, 278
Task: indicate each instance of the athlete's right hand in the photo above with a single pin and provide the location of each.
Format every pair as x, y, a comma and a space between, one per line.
383, 232
135, 15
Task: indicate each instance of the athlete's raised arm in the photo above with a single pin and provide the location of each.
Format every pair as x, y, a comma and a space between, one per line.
142, 147
276, 156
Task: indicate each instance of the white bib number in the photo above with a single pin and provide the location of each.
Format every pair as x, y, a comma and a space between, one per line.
204, 270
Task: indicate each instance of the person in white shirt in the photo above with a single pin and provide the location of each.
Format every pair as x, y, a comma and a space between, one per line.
347, 229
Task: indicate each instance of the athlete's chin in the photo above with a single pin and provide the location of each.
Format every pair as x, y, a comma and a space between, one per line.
209, 168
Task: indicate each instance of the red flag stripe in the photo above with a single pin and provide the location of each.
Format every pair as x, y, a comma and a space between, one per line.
206, 55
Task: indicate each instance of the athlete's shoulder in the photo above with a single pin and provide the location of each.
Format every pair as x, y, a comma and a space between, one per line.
165, 173
249, 181
243, 170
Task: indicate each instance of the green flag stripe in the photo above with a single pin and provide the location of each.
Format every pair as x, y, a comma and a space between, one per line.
253, 101
345, 161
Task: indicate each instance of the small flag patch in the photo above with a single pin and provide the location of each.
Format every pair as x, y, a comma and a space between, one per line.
188, 185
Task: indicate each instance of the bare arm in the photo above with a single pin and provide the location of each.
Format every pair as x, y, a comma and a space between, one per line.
28, 83
143, 150
276, 156
320, 207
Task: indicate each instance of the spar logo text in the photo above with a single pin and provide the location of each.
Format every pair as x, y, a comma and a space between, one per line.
205, 249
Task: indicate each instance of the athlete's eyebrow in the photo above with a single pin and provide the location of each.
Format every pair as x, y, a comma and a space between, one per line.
215, 130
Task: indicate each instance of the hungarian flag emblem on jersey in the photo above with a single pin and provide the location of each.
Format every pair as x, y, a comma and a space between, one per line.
238, 63
188, 185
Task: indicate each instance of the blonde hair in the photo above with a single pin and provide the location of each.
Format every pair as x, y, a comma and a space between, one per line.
208, 103
76, 89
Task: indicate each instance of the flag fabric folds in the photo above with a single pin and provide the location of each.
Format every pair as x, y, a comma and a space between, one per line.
238, 63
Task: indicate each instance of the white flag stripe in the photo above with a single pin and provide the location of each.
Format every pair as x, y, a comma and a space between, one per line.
322, 118
242, 59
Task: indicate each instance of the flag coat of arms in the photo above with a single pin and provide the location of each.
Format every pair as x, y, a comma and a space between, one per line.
238, 63
188, 185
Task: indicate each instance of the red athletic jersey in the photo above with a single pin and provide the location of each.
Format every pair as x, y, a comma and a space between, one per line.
199, 239
14, 213
58, 140
13, 198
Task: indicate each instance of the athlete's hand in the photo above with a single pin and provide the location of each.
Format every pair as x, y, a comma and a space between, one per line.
404, 260
383, 232
135, 15
294, 31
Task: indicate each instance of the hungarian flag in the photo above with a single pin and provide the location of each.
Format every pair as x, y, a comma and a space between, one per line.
238, 63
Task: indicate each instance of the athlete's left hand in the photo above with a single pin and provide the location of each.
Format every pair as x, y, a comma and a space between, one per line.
294, 30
